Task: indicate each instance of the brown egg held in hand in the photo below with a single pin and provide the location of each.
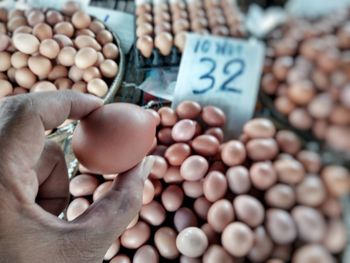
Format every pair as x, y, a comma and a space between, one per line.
114, 138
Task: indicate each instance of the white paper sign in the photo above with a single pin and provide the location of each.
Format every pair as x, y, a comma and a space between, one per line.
224, 72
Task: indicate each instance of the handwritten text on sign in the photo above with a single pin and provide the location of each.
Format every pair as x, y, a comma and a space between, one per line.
224, 72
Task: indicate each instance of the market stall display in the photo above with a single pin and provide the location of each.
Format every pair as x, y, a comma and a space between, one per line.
306, 75
161, 27
262, 197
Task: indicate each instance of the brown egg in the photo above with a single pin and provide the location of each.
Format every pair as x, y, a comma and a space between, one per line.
18, 90
213, 237
15, 22
237, 239
201, 207
66, 56
238, 179
63, 40
76, 74
172, 198
300, 118
206, 145
183, 218
112, 250
64, 28
5, 59
85, 32
6, 88
310, 160
301, 92
120, 259
153, 213
41, 86
167, 116
177, 153
263, 175
42, 31
25, 77
77, 207
311, 191
145, 29
214, 186
159, 168
91, 73
312, 253
40, 66
165, 241
148, 192
136, 236
263, 246
220, 214
5, 42
336, 179
49, 48
335, 238
87, 41
310, 223
146, 253
233, 153
110, 51
193, 189
164, 43
97, 87
63, 83
183, 130
262, 149
145, 45
249, 210
81, 20
259, 128
109, 68
104, 37
216, 253
280, 226
96, 26
184, 259
280, 196
284, 105
213, 116
180, 40
144, 18
11, 74
180, 25
85, 57
288, 141
188, 110
26, 43
53, 17
194, 168
192, 242
97, 128
321, 106
289, 171
216, 132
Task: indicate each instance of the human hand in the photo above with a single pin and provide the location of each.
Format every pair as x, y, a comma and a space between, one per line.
34, 186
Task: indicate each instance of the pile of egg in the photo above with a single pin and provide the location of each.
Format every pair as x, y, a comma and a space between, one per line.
261, 198
307, 72
164, 24
44, 50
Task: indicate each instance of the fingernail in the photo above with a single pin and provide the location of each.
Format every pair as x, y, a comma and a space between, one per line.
147, 166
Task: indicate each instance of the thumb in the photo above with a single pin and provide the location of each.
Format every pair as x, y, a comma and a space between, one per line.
107, 218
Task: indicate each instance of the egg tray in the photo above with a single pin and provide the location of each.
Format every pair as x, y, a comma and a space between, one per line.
157, 60
62, 135
329, 155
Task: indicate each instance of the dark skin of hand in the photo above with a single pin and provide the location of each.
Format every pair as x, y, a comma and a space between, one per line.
34, 186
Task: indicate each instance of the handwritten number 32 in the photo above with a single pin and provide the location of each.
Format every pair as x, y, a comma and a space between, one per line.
225, 85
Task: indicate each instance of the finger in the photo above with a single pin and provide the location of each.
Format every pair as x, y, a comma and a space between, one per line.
23, 120
53, 193
107, 218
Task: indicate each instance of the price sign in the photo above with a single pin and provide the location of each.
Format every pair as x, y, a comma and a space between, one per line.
224, 72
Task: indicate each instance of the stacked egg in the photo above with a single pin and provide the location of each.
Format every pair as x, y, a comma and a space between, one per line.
47, 50
163, 24
307, 74
261, 198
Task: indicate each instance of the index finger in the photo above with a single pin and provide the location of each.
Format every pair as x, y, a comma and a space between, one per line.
24, 118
